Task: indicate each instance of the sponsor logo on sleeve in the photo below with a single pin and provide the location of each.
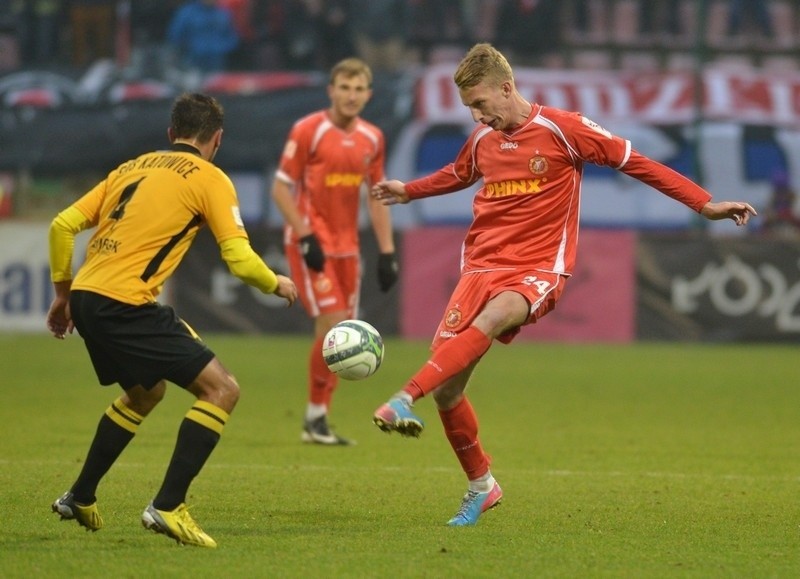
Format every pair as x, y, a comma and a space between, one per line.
237, 216
290, 149
595, 127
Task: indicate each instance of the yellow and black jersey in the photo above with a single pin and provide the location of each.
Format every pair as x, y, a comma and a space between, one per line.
147, 213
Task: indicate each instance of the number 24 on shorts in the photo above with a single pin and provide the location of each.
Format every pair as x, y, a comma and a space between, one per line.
541, 285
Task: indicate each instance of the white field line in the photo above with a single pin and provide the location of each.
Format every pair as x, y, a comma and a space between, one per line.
435, 469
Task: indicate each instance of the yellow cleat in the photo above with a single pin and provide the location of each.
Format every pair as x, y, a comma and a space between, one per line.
85, 515
177, 524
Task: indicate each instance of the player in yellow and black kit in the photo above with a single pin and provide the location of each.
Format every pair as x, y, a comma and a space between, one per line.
146, 214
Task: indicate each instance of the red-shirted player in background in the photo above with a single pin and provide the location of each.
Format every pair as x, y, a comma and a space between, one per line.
329, 157
520, 249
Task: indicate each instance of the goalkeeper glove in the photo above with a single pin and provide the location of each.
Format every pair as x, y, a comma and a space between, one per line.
312, 252
388, 269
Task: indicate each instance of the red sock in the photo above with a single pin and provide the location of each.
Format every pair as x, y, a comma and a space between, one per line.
322, 382
448, 360
461, 427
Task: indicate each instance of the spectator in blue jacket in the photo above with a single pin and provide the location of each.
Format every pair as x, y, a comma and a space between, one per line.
203, 35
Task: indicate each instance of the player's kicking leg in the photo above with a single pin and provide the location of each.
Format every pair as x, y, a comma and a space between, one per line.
396, 416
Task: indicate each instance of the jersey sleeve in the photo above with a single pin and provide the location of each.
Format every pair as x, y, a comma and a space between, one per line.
591, 142
377, 171
222, 209
445, 180
595, 144
61, 240
666, 180
295, 153
91, 203
81, 215
245, 264
459, 174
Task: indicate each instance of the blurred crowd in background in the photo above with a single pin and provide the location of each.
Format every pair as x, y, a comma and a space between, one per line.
101, 71
211, 35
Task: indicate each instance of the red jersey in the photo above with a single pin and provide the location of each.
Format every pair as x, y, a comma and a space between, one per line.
526, 213
328, 168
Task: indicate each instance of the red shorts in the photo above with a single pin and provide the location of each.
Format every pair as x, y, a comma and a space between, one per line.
474, 290
336, 288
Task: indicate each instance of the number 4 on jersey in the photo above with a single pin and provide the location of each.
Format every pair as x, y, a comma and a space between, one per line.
124, 198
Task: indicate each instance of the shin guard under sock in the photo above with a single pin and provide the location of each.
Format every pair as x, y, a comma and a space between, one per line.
321, 382
116, 429
448, 360
197, 437
461, 427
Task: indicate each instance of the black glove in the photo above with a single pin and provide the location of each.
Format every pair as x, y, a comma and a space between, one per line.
312, 252
387, 271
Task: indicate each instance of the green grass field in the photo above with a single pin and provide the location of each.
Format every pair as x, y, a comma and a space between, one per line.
652, 460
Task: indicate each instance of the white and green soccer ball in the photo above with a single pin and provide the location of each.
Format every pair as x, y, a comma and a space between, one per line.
353, 350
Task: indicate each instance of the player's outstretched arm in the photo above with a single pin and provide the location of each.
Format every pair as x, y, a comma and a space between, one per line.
739, 211
390, 192
246, 264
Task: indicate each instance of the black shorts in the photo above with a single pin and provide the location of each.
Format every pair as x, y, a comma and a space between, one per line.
137, 345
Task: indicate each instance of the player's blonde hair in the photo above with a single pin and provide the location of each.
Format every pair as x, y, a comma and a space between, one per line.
482, 62
351, 67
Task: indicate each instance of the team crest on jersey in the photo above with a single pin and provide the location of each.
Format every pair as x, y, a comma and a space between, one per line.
322, 284
538, 165
452, 318
595, 127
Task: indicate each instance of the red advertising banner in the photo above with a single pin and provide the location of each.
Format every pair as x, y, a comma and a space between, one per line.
744, 96
598, 303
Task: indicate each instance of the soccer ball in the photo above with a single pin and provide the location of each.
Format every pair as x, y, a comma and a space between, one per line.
353, 350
